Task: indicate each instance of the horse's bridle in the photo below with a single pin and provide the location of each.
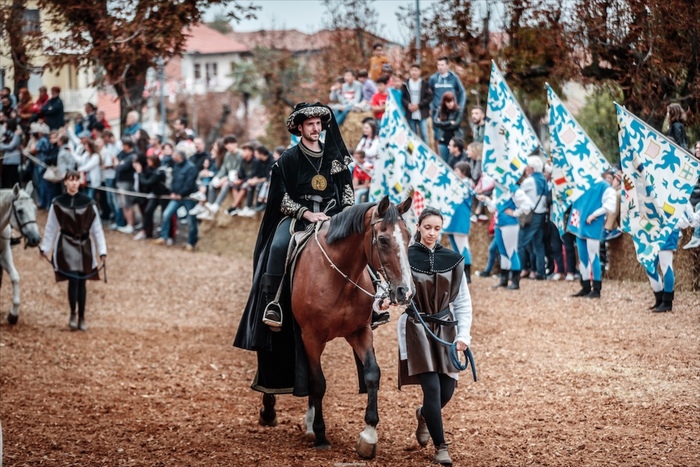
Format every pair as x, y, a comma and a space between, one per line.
21, 224
375, 280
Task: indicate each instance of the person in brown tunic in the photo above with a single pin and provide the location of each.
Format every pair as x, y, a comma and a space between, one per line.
74, 232
442, 298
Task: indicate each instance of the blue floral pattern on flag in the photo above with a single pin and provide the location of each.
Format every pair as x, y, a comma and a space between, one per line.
508, 138
577, 163
406, 163
658, 177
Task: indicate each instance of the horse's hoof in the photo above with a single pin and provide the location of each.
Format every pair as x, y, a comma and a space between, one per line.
263, 422
324, 446
12, 319
366, 450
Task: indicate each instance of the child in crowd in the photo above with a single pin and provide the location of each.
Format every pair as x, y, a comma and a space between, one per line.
379, 99
361, 176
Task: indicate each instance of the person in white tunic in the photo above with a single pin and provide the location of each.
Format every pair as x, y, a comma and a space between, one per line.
74, 234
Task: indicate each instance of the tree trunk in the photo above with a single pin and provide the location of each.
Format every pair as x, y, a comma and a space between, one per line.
130, 93
16, 39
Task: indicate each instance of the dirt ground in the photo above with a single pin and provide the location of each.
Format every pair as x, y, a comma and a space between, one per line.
156, 382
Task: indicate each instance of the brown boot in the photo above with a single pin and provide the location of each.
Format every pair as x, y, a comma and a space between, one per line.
442, 457
422, 434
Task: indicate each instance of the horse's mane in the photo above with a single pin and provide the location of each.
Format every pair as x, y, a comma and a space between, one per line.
352, 220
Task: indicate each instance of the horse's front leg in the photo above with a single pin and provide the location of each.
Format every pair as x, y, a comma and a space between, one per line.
7, 264
362, 344
317, 389
268, 415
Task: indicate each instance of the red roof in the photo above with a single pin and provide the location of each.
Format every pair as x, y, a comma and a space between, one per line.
290, 39
205, 40
297, 41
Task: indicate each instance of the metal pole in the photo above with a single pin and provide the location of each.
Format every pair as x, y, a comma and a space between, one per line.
418, 32
161, 79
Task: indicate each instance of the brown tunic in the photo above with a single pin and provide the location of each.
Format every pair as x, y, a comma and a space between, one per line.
437, 276
73, 253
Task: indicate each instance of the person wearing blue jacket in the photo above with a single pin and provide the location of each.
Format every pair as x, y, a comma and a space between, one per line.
586, 222
184, 184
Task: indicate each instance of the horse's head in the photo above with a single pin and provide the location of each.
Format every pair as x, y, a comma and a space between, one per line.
389, 249
23, 215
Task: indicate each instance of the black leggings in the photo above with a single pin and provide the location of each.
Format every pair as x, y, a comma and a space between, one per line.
278, 249
77, 293
438, 389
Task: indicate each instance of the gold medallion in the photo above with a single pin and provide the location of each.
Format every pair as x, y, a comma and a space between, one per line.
319, 183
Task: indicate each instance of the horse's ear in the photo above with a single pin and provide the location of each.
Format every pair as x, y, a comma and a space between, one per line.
29, 188
405, 205
15, 190
383, 206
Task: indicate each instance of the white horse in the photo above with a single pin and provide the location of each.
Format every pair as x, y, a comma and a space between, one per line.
18, 211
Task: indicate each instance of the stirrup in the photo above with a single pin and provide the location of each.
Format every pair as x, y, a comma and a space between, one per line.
271, 309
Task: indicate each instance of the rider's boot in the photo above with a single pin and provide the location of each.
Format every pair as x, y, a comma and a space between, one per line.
380, 318
273, 312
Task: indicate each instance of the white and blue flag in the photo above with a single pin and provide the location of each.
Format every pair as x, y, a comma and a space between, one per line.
406, 165
508, 137
577, 163
658, 177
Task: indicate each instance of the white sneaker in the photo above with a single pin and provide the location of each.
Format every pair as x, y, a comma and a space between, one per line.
473, 218
169, 242
246, 212
199, 196
693, 243
140, 236
570, 276
199, 209
127, 229
555, 277
206, 216
214, 208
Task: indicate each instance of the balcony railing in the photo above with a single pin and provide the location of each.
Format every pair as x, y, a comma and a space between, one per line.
74, 100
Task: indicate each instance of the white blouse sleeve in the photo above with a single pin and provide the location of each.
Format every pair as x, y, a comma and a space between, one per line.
89, 163
522, 203
609, 203
98, 234
462, 309
50, 232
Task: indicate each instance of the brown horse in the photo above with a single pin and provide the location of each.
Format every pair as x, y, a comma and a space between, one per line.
332, 296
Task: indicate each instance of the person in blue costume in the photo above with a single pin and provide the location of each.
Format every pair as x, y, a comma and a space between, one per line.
460, 225
507, 232
663, 278
586, 222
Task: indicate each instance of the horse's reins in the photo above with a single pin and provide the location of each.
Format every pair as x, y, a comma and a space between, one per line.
375, 280
454, 358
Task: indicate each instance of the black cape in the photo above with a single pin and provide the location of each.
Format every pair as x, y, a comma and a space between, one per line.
278, 367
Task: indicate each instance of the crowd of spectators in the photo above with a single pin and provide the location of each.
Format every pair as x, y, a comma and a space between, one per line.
145, 186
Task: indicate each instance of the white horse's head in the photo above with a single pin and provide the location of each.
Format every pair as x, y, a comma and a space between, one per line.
23, 214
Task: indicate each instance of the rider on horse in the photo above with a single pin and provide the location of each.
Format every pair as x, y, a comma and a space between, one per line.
309, 183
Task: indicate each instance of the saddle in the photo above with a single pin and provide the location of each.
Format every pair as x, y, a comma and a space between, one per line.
296, 246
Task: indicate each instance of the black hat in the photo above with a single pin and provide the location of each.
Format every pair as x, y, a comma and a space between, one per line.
303, 111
